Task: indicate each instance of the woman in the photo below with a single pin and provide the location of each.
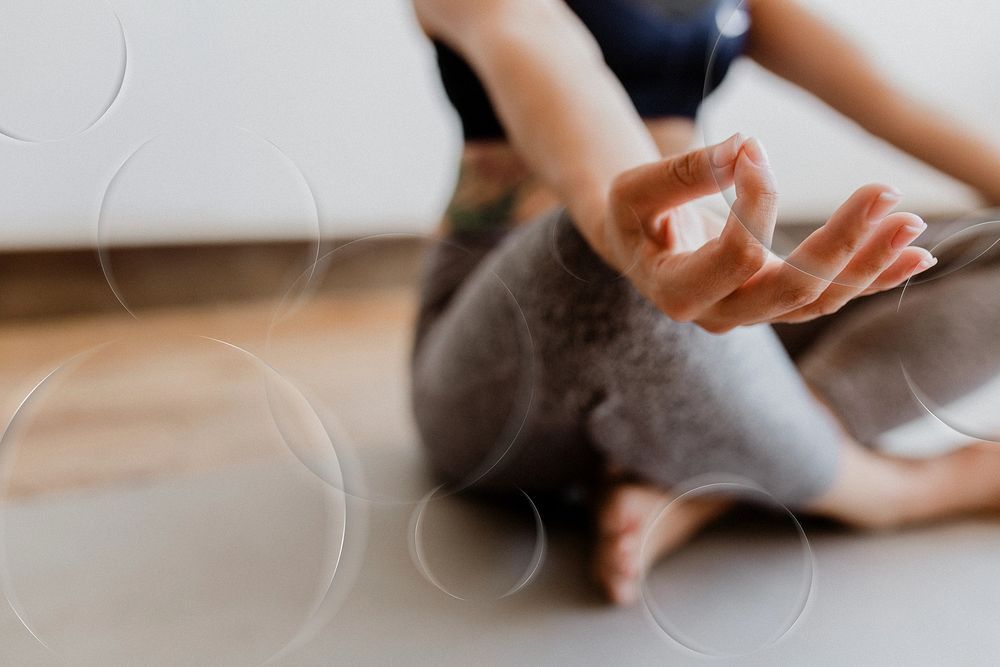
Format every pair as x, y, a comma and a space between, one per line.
622, 336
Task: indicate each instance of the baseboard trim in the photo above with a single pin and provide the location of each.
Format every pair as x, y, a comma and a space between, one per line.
65, 283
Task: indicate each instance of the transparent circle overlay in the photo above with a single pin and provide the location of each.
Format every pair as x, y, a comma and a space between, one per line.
472, 381
62, 67
591, 272
732, 593
203, 186
733, 20
950, 357
474, 549
185, 536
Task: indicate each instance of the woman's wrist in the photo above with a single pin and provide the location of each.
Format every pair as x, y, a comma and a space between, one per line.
589, 211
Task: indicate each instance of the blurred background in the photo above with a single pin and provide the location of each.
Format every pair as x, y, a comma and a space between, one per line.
349, 92
210, 229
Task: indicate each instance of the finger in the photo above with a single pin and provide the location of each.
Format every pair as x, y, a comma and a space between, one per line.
911, 261
755, 210
825, 252
886, 244
808, 271
699, 280
650, 189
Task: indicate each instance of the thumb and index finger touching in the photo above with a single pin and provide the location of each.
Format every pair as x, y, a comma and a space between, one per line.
651, 190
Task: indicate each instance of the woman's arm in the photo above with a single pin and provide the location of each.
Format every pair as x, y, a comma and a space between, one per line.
575, 127
798, 46
564, 111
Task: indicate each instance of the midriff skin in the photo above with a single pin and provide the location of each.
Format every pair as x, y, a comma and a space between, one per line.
496, 188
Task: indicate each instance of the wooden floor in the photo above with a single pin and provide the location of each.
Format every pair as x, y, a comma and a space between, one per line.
166, 394
152, 395
215, 564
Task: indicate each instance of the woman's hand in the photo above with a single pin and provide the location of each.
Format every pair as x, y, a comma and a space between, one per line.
719, 274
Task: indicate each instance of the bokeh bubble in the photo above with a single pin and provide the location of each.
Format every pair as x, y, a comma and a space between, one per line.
152, 510
357, 310
732, 22
477, 549
947, 319
62, 66
735, 588
815, 139
583, 264
185, 195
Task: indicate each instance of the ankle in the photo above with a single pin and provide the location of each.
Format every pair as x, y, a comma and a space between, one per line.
891, 498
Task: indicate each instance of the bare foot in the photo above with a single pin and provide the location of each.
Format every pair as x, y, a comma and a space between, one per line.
626, 514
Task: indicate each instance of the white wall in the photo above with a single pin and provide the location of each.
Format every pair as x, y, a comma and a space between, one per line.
345, 88
943, 52
362, 139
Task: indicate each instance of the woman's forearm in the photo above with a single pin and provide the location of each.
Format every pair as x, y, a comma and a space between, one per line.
803, 49
562, 108
941, 143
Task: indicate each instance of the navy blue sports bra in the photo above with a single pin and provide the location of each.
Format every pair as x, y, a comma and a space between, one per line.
668, 54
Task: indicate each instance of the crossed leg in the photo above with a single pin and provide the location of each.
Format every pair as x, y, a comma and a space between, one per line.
851, 360
620, 384
871, 491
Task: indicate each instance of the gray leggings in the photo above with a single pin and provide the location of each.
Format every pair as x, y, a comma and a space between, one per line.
537, 366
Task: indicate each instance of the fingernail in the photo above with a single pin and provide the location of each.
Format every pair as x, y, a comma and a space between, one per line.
907, 233
725, 153
755, 151
926, 264
883, 204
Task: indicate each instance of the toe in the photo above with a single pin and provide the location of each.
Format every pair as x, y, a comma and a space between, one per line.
625, 554
623, 591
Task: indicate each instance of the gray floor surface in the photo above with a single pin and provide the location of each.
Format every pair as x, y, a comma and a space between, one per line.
227, 567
